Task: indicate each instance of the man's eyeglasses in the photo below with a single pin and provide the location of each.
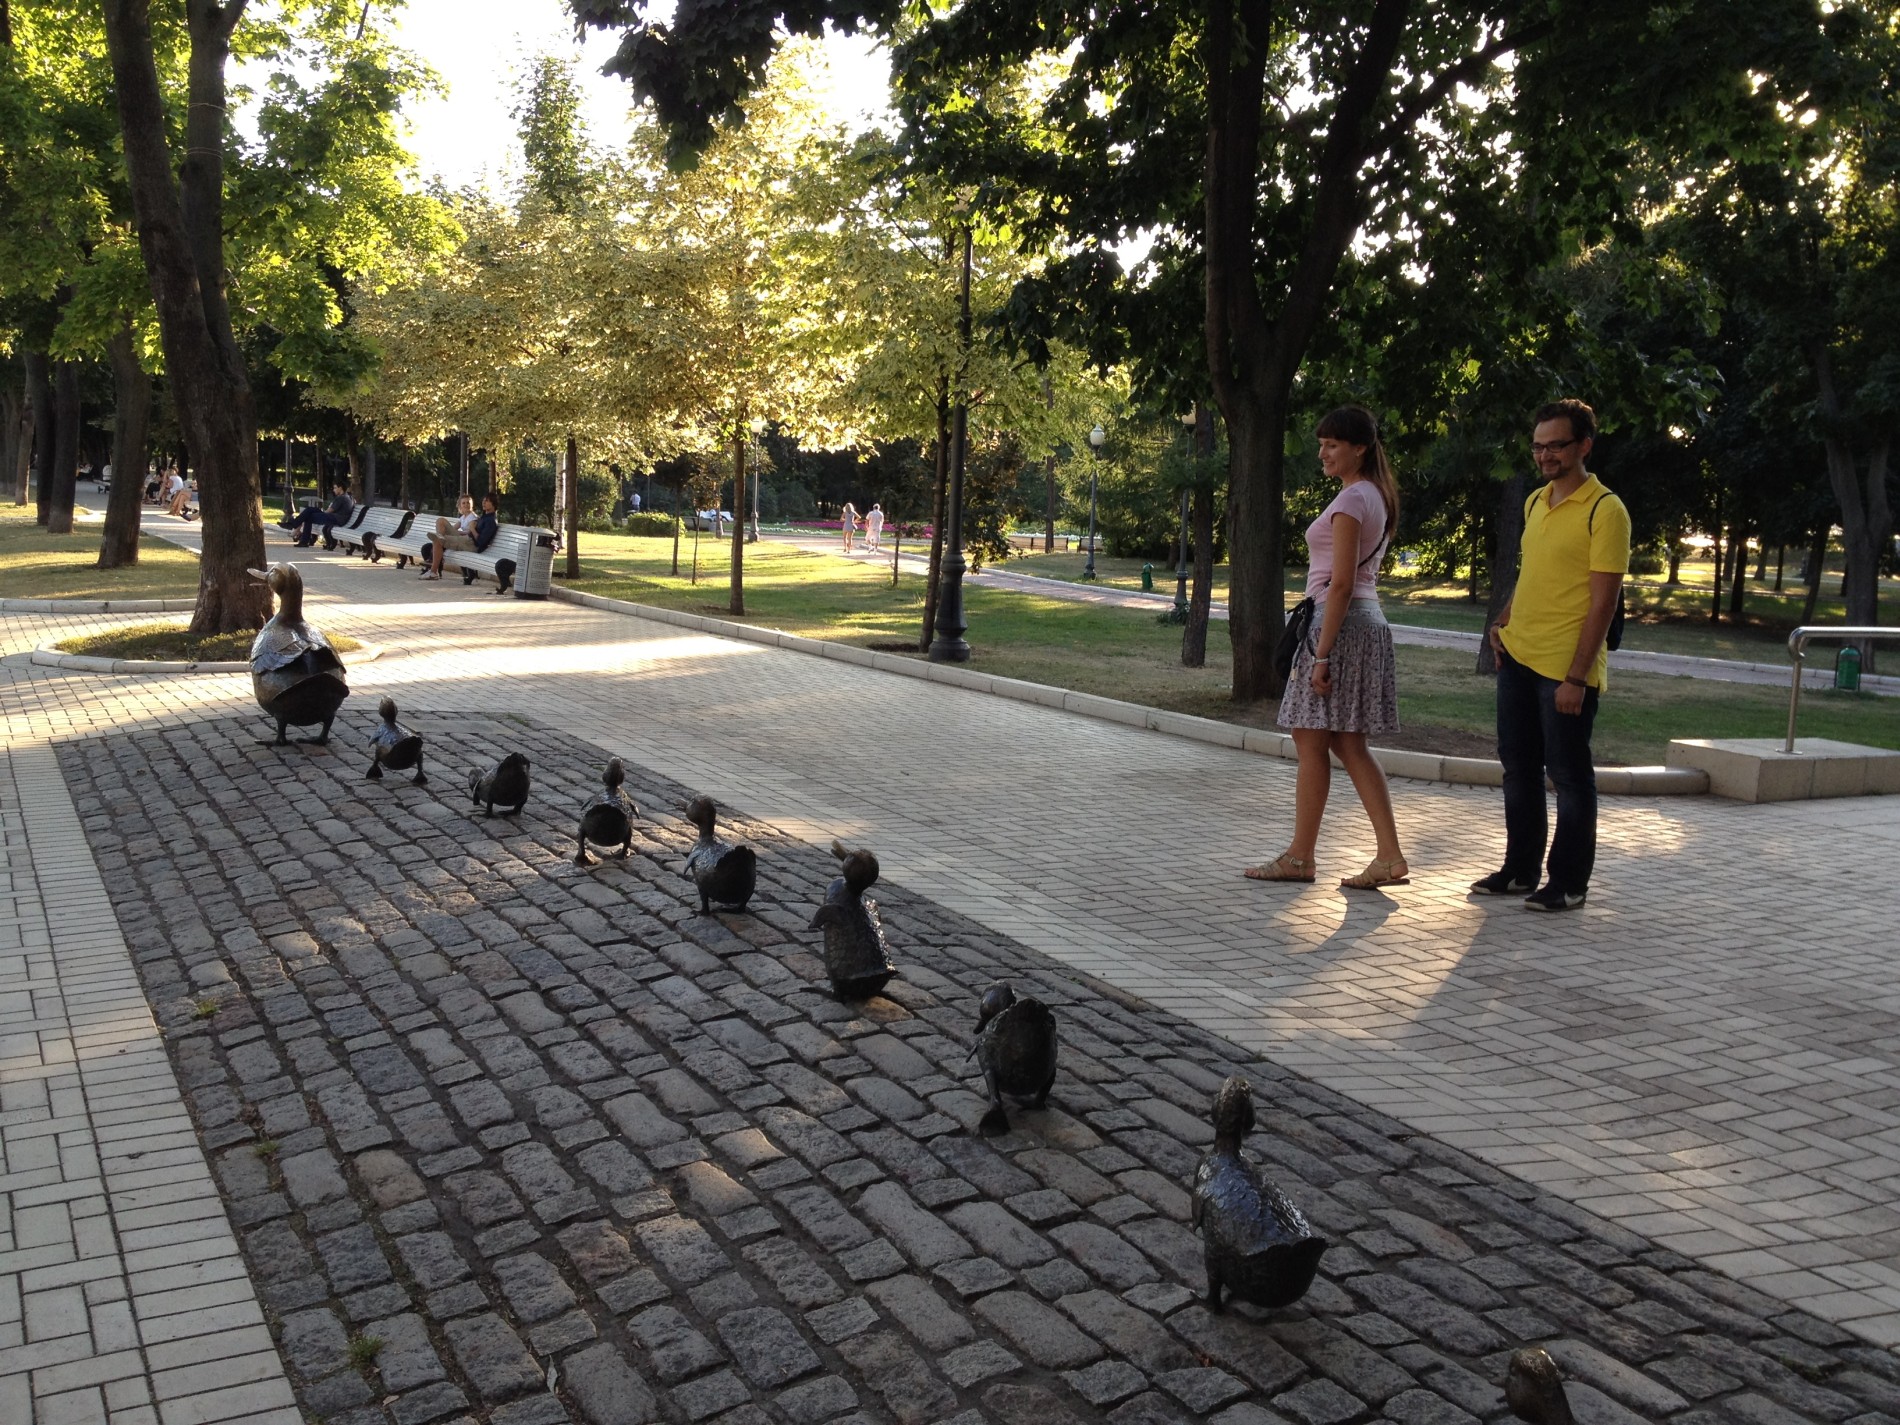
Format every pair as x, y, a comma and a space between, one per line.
1550, 447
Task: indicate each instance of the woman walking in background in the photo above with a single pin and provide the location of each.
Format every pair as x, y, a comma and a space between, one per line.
850, 522
1343, 684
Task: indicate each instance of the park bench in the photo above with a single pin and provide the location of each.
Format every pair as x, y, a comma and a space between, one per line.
519, 558
407, 544
336, 534
379, 522
1032, 543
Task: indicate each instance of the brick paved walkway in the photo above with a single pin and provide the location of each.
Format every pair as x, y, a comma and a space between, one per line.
507, 1137
1701, 1061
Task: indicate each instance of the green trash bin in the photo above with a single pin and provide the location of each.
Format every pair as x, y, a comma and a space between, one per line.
1148, 577
1847, 670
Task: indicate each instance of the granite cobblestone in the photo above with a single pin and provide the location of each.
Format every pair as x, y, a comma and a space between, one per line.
571, 1152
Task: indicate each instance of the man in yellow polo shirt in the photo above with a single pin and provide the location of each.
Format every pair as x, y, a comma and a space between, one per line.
1553, 665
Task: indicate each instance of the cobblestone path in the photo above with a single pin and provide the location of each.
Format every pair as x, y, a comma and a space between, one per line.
509, 1140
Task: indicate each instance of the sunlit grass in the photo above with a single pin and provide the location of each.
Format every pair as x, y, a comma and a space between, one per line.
1127, 654
173, 643
38, 565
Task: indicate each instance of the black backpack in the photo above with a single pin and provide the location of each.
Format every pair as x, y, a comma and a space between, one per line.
1613, 639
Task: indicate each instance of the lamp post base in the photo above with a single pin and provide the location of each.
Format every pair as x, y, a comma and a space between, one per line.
949, 646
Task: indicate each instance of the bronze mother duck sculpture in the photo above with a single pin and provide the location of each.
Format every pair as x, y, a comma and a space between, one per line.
296, 675
394, 746
1257, 1244
856, 957
1016, 1050
723, 872
607, 818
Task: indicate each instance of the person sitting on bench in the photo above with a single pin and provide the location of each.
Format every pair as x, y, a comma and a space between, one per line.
339, 510
480, 535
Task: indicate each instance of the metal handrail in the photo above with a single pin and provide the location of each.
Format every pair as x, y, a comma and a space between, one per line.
1797, 646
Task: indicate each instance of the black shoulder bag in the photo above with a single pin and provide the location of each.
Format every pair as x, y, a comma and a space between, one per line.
1299, 623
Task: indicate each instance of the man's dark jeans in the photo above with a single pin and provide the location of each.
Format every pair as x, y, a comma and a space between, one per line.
1534, 738
313, 519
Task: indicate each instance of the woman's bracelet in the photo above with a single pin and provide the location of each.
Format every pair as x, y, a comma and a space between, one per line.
1322, 660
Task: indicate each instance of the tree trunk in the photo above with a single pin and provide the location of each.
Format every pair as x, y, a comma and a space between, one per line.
1252, 357
131, 419
1675, 559
466, 458
1781, 564
1816, 566
1860, 489
1738, 577
181, 236
936, 515
736, 604
59, 500
1049, 520
369, 468
1716, 565
1507, 537
1761, 560
14, 409
1201, 589
1201, 531
676, 531
39, 386
571, 488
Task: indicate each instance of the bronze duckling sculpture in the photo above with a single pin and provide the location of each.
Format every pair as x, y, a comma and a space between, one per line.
723, 872
505, 783
1535, 1390
296, 675
394, 746
856, 957
1016, 1050
607, 818
1257, 1244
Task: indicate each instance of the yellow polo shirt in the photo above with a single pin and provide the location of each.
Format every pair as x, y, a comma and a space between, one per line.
1562, 548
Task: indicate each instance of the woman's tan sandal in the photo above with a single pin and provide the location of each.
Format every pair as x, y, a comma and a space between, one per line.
1281, 868
1380, 873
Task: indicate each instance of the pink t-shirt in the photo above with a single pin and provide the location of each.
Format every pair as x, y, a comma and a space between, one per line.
1361, 500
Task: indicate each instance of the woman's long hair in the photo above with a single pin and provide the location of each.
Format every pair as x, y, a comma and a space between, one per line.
1355, 426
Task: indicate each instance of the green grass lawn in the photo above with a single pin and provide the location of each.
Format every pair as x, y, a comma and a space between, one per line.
38, 565
1126, 654
173, 643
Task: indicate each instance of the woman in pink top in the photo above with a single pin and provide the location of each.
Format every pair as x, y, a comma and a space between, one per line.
1343, 686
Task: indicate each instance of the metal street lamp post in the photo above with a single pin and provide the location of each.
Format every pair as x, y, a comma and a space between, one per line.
1096, 437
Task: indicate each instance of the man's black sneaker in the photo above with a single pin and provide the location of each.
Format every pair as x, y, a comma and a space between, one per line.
1500, 883
1551, 898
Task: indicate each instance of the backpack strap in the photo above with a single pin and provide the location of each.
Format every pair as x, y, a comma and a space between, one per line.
1590, 525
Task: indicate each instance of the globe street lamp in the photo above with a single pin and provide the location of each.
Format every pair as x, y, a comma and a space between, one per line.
1096, 437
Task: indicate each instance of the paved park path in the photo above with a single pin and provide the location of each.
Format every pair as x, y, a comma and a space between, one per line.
1704, 1056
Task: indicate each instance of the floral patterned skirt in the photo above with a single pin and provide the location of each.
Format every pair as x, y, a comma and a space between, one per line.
1365, 695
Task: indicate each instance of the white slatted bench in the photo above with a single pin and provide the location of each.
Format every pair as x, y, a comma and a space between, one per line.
379, 522
408, 544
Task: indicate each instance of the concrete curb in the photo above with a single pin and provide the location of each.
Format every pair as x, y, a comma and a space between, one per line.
1421, 766
97, 606
47, 656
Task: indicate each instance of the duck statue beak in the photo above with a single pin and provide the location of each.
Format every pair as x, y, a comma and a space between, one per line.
263, 574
